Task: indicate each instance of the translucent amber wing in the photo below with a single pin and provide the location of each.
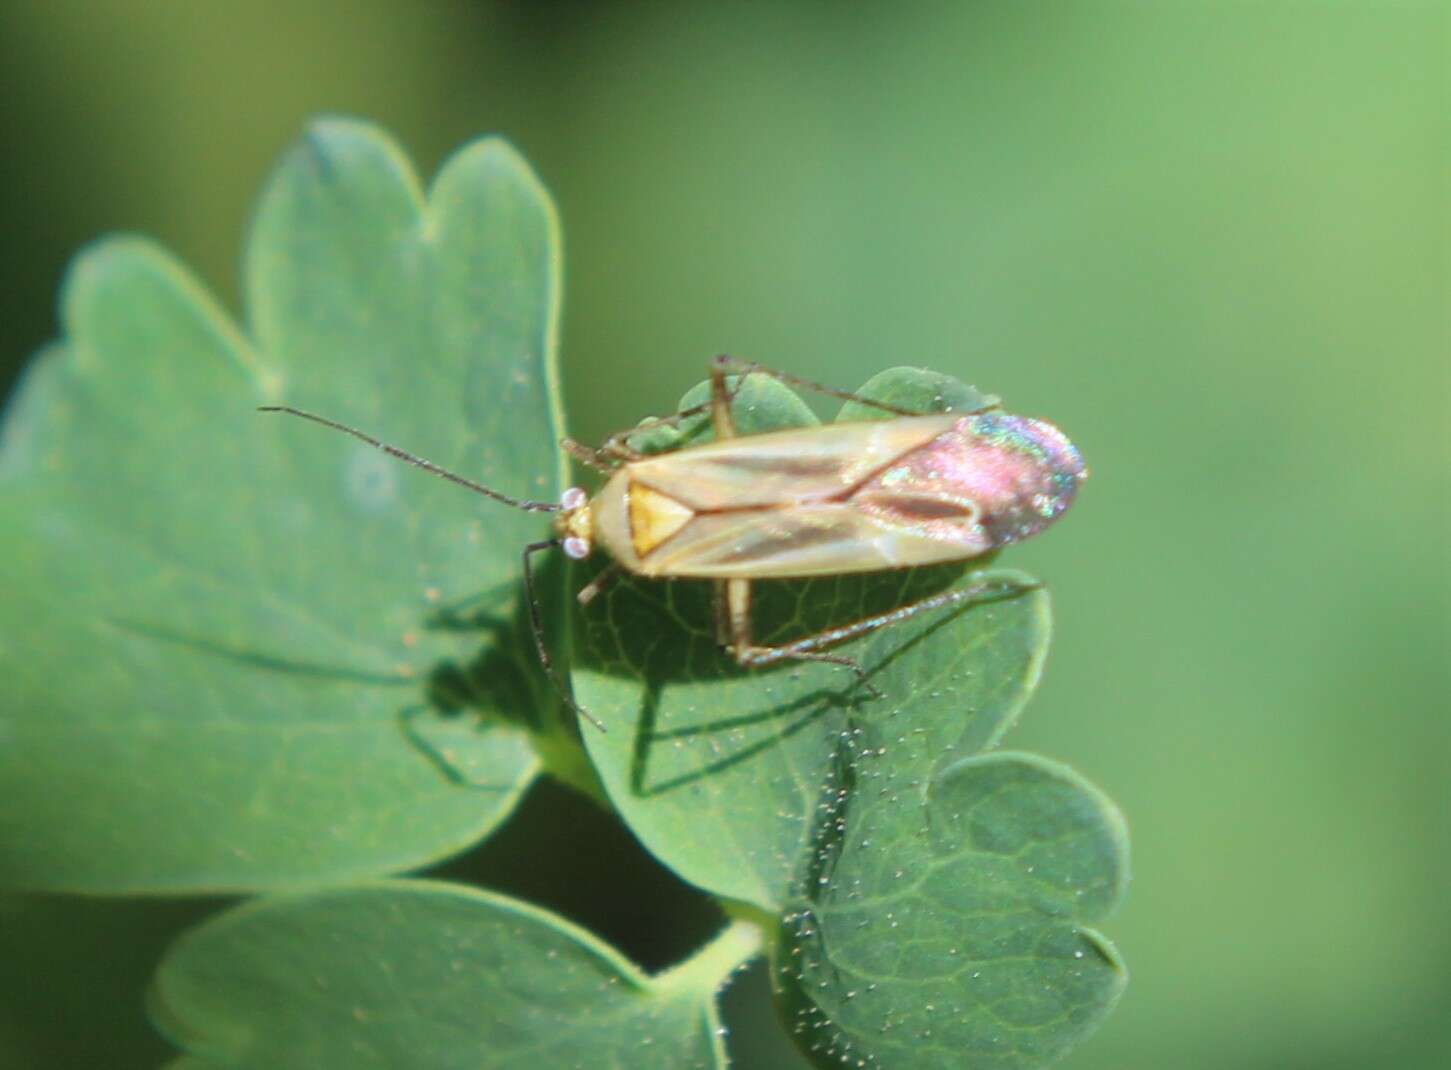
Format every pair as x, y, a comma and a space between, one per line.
813, 539
785, 467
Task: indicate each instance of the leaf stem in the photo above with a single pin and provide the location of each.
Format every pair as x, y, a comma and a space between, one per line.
563, 757
711, 967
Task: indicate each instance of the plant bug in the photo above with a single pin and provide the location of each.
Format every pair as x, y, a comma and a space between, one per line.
895, 493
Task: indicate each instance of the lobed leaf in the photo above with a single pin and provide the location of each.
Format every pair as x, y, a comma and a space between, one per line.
201, 697
721, 771
215, 620
415, 973
956, 933
915, 390
933, 900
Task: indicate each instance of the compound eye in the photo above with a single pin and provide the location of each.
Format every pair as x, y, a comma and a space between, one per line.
573, 498
576, 547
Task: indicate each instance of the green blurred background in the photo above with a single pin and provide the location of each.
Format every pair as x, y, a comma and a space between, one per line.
1209, 239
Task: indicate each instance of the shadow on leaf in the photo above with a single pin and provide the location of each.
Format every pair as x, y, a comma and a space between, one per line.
660, 633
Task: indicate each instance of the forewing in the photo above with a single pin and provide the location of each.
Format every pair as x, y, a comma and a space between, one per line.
810, 464
809, 539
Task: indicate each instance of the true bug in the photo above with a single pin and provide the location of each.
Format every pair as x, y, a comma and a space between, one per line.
838, 498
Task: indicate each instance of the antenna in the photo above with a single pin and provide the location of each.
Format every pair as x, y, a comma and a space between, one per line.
416, 461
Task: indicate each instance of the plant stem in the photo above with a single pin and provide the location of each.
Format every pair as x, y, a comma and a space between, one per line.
711, 967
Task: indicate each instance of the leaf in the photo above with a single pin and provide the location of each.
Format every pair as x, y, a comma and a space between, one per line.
215, 620
956, 934
424, 974
721, 771
792, 791
758, 404
915, 390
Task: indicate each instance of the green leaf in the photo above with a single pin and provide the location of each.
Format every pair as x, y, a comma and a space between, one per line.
414, 973
955, 933
915, 390
791, 790
721, 771
215, 621
758, 404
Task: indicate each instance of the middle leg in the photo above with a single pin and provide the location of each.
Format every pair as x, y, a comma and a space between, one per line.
733, 616
616, 450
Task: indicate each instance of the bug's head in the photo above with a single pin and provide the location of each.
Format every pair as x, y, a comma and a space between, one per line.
574, 523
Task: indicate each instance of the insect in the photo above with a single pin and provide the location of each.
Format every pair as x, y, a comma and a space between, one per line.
840, 498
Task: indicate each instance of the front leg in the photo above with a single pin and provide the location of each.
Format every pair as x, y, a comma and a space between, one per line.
597, 457
616, 450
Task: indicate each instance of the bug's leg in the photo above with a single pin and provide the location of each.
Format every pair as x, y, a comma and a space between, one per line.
536, 625
618, 444
591, 590
616, 448
734, 614
812, 644
726, 364
590, 456
723, 635
736, 611
721, 396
